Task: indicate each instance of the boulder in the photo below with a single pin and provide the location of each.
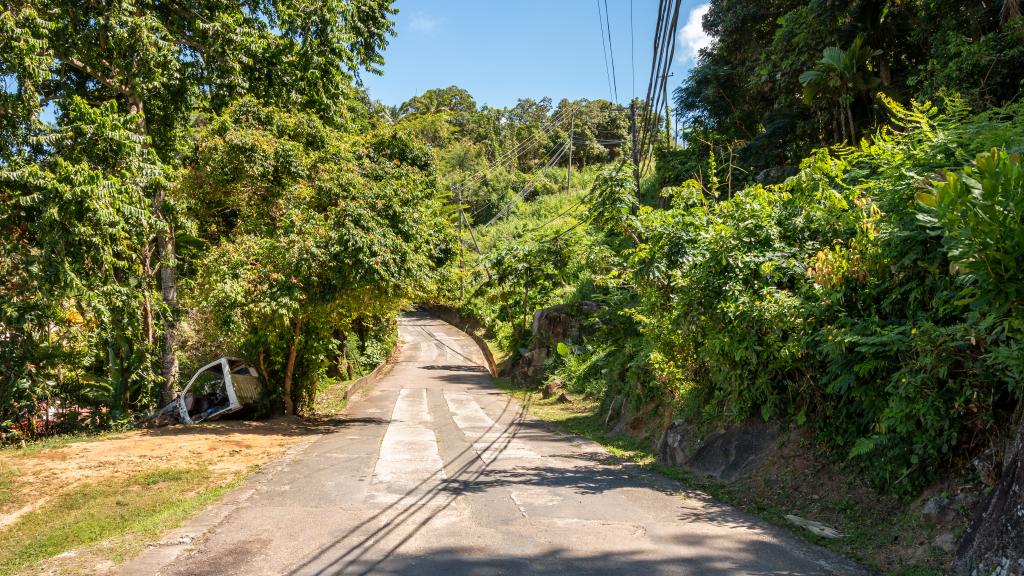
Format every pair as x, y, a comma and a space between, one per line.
726, 455
551, 389
938, 510
529, 367
945, 542
561, 323
775, 175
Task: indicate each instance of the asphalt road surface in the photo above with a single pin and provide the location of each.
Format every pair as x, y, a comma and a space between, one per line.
437, 472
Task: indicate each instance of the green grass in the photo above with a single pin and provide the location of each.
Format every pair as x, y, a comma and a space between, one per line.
55, 442
7, 475
332, 396
141, 507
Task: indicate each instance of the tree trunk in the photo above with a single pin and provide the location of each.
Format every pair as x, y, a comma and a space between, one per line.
168, 275
994, 544
263, 367
853, 131
884, 72
169, 294
289, 404
147, 300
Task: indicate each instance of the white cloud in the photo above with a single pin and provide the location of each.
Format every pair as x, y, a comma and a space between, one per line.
422, 22
692, 36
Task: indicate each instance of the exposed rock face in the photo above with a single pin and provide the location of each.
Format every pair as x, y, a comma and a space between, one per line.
676, 444
726, 455
561, 323
994, 544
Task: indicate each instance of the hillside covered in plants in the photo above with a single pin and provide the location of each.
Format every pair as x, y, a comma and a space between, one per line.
833, 243
820, 226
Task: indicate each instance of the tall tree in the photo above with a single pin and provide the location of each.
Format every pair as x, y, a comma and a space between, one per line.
162, 63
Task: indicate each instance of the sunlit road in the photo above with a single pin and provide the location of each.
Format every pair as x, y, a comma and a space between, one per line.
437, 472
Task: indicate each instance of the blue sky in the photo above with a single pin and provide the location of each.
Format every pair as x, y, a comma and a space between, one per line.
501, 51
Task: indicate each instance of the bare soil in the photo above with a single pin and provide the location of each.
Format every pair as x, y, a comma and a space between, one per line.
227, 449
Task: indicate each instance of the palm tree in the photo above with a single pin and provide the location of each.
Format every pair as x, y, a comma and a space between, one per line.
841, 76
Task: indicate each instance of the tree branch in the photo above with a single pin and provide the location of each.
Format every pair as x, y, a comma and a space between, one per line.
116, 87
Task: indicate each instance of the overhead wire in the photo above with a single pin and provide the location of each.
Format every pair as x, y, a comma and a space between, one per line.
508, 155
663, 52
529, 187
657, 86
604, 48
660, 75
611, 49
482, 172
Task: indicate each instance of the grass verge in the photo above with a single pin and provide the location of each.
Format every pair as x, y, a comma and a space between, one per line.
134, 510
55, 442
7, 474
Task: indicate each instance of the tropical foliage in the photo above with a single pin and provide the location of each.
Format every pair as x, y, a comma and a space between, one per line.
169, 173
783, 77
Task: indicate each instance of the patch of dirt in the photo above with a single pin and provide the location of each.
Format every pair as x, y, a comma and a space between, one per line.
881, 530
228, 449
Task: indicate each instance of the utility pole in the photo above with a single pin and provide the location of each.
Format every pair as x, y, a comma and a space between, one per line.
462, 257
636, 149
668, 113
668, 125
568, 174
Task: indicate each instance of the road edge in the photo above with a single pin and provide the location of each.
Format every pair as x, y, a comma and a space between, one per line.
175, 543
181, 540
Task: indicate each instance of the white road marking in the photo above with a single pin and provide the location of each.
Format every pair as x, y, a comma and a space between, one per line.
466, 412
408, 453
489, 441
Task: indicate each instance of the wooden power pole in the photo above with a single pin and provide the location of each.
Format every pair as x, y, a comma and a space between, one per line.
462, 257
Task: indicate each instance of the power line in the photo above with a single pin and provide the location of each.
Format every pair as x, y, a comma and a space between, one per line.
528, 188
632, 49
657, 86
518, 149
604, 48
508, 155
611, 49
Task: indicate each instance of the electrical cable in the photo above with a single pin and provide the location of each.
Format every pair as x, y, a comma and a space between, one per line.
604, 48
528, 188
505, 157
611, 49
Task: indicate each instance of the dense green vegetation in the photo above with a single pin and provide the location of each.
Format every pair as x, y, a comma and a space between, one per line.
184, 181
872, 296
786, 76
835, 241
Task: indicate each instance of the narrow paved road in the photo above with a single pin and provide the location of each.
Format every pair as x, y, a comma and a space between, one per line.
437, 472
